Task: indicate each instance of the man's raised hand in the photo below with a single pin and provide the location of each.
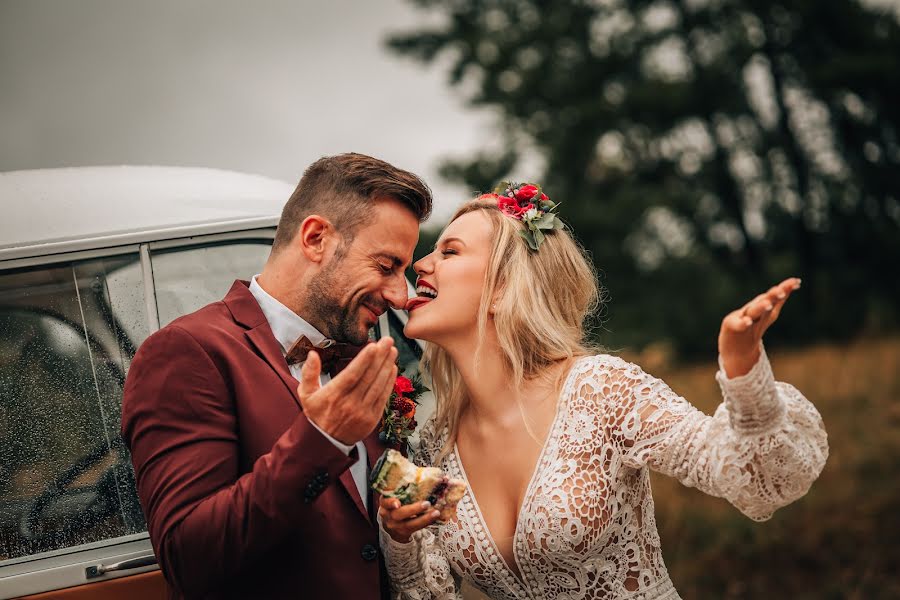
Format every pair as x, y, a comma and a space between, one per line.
349, 406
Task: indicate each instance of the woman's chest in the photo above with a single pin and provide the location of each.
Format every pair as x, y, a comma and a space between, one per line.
574, 504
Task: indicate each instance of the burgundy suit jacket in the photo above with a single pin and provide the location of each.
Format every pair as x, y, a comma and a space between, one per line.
244, 498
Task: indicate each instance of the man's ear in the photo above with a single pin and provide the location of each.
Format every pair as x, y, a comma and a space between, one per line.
315, 237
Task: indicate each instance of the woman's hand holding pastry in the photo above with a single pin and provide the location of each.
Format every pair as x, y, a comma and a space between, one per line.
400, 522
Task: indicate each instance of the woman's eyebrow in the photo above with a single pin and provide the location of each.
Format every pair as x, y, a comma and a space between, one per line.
446, 241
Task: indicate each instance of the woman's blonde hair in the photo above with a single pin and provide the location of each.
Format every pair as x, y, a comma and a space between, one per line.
542, 303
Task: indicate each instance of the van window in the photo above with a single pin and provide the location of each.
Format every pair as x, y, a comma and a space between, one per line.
67, 336
190, 278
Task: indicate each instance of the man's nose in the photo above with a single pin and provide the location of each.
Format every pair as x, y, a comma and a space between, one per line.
396, 293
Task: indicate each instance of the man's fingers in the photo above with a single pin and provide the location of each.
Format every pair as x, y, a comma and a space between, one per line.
362, 369
387, 355
350, 377
379, 390
309, 375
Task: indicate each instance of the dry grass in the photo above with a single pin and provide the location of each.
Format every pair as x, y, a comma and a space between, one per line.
841, 540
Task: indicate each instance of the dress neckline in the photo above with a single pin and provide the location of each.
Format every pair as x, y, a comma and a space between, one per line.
517, 575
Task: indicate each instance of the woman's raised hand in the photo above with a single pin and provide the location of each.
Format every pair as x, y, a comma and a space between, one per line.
742, 329
402, 521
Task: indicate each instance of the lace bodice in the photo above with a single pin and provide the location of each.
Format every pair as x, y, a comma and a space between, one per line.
586, 528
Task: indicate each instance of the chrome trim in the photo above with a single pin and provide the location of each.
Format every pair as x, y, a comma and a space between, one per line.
41, 261
99, 570
149, 289
67, 570
136, 237
266, 233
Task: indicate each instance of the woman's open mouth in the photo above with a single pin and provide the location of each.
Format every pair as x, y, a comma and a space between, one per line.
425, 293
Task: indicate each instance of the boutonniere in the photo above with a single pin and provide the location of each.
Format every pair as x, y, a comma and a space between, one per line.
399, 419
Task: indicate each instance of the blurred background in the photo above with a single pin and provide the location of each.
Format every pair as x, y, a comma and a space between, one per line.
702, 151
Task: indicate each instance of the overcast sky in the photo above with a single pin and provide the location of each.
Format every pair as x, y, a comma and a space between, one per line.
262, 87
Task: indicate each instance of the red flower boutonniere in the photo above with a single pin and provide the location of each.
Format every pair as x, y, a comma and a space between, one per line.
399, 419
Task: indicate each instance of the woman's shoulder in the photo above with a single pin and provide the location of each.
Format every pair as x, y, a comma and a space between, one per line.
602, 364
603, 376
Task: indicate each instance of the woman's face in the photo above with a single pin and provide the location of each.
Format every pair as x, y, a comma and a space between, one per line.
451, 278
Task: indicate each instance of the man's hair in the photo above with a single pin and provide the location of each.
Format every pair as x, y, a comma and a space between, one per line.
343, 189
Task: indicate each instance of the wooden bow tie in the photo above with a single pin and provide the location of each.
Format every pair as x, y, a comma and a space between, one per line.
334, 358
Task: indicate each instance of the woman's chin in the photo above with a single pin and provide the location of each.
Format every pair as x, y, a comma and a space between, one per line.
417, 328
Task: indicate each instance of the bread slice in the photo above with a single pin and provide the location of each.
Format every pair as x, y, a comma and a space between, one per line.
395, 477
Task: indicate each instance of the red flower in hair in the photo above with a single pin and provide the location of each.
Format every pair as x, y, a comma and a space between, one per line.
526, 192
511, 207
526, 203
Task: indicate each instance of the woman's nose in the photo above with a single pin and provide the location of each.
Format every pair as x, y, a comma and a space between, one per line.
423, 265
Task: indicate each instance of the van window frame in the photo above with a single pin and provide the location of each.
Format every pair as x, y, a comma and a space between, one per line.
66, 567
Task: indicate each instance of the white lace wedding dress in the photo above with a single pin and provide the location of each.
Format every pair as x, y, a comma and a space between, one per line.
586, 528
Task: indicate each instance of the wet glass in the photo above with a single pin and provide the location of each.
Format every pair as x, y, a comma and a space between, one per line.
67, 336
187, 279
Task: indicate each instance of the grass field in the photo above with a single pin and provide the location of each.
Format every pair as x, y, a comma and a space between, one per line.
842, 540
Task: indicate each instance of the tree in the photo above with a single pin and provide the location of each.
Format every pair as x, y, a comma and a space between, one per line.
702, 149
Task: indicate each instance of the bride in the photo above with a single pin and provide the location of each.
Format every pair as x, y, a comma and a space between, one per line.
554, 439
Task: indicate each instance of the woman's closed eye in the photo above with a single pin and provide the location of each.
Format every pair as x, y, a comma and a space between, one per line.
447, 251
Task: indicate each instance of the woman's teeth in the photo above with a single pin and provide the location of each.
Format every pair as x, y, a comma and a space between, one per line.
426, 291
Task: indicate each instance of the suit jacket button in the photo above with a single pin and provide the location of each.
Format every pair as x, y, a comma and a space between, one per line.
369, 552
312, 492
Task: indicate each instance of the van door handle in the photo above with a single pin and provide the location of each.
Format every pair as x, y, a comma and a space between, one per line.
95, 571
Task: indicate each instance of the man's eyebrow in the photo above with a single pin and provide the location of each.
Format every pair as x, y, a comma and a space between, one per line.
396, 261
448, 240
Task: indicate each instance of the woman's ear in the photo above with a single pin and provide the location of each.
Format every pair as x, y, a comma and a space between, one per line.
313, 237
498, 296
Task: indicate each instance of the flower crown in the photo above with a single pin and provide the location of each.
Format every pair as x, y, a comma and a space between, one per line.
527, 203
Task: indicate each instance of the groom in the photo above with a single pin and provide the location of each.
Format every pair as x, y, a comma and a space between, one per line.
254, 484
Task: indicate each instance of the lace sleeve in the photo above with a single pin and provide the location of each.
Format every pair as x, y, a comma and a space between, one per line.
418, 569
761, 450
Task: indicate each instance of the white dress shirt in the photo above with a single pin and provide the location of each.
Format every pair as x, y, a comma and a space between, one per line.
288, 326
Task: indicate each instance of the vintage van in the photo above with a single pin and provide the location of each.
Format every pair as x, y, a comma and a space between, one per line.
92, 261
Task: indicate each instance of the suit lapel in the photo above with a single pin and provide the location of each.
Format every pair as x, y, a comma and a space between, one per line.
350, 486
374, 448
246, 311
261, 337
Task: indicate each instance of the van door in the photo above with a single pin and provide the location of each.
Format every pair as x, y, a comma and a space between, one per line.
69, 513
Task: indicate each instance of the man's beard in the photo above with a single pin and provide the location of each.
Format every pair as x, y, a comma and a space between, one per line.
323, 305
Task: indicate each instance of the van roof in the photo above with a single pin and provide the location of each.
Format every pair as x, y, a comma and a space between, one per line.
48, 211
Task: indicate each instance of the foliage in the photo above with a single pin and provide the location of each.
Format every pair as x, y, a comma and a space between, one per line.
702, 149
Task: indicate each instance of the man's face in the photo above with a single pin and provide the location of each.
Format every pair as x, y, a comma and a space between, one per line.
366, 276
